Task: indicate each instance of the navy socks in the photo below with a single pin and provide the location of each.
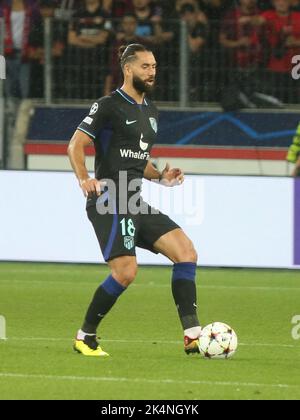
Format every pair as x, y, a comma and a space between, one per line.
185, 294
104, 299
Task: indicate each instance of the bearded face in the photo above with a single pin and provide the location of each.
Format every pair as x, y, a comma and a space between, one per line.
143, 86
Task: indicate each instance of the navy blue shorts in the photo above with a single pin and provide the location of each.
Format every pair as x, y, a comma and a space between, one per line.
119, 234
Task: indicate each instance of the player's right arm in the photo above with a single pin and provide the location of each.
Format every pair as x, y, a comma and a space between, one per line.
88, 132
76, 152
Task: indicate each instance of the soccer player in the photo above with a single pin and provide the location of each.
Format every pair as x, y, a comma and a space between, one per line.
293, 155
123, 128
296, 171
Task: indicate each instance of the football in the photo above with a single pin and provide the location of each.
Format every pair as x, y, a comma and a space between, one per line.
218, 341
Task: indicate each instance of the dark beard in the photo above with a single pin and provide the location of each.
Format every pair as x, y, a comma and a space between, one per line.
141, 87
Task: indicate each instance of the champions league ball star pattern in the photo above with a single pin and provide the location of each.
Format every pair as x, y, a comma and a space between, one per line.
218, 341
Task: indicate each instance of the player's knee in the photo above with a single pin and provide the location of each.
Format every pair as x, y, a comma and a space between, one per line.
129, 276
188, 254
125, 275
194, 255
191, 256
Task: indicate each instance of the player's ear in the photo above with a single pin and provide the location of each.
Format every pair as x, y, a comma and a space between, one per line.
127, 69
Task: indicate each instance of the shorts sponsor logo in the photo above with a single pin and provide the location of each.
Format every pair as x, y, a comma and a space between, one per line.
129, 242
94, 109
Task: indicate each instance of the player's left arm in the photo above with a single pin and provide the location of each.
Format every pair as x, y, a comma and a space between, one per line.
168, 177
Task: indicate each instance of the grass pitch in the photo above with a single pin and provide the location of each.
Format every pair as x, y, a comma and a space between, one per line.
44, 306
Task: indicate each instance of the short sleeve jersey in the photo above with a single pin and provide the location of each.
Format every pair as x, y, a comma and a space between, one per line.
123, 133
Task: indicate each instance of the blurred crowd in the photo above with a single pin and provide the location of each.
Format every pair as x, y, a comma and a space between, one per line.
240, 51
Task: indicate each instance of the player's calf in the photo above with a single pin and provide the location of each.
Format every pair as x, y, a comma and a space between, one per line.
123, 273
185, 297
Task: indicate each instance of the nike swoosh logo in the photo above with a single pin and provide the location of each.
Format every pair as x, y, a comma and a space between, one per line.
143, 145
130, 122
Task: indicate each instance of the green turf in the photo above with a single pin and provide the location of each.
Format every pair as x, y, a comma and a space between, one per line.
44, 305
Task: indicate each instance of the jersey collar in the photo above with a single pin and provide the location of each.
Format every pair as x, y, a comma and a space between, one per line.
129, 98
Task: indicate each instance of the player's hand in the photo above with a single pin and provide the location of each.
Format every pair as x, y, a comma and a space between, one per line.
91, 186
172, 177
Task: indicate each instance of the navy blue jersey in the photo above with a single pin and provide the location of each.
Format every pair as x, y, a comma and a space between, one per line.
123, 133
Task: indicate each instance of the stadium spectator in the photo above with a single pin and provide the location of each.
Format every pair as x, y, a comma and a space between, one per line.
240, 36
152, 27
197, 32
47, 7
58, 39
149, 21
64, 9
117, 8
264, 4
22, 43
241, 39
167, 7
125, 36
89, 27
197, 36
88, 40
180, 3
295, 5
214, 11
282, 28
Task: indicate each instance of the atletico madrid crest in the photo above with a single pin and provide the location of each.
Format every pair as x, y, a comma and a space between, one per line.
129, 242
